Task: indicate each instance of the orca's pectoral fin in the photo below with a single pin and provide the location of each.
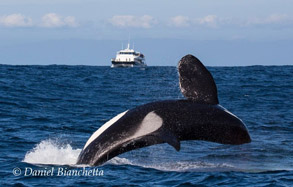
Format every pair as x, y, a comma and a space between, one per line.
168, 137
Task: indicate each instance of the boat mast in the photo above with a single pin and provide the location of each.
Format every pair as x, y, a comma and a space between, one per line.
128, 46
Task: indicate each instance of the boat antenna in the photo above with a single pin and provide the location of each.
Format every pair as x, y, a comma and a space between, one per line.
133, 45
128, 40
122, 45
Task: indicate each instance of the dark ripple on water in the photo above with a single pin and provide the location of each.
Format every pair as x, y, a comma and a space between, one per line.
54, 109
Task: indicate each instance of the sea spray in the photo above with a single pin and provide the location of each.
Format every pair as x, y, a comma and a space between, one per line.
52, 152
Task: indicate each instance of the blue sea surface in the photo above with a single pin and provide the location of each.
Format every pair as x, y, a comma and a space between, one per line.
47, 113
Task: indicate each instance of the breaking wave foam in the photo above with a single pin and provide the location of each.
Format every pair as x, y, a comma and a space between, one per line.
52, 152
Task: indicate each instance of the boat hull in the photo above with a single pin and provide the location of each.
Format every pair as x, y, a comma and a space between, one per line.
127, 64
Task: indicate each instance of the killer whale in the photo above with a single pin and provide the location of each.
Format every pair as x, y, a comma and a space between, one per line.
198, 117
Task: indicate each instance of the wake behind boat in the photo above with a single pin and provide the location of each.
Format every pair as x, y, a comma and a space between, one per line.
128, 58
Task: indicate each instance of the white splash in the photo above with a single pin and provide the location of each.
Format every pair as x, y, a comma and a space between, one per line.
51, 152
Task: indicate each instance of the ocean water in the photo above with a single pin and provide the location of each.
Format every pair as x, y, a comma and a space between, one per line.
47, 113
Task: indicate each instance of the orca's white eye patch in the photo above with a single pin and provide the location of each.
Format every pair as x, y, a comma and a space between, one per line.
150, 123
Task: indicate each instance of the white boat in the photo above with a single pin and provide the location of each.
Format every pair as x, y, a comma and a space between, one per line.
128, 58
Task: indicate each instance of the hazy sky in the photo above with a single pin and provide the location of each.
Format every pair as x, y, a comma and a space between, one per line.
25, 21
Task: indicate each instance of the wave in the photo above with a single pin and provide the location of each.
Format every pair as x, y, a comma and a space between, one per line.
178, 166
54, 152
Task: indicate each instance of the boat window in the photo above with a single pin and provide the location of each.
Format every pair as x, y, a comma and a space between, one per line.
128, 53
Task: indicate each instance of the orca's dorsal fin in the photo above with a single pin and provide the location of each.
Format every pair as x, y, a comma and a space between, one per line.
196, 82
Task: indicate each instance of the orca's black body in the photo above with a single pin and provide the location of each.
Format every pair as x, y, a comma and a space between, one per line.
197, 118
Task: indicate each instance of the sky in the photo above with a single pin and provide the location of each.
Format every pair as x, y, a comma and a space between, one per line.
95, 29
